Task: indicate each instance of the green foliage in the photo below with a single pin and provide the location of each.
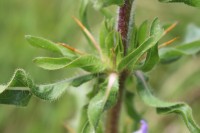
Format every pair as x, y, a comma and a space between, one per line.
181, 109
108, 68
195, 3
83, 12
132, 58
106, 37
49, 45
105, 99
131, 110
152, 55
21, 87
168, 55
15, 97
142, 32
87, 62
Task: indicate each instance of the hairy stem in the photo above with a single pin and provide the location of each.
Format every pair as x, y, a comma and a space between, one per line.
113, 115
123, 22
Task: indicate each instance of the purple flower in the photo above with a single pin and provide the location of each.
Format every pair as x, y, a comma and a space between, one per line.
143, 127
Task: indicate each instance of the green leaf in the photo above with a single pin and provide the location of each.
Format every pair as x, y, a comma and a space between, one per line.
83, 12
168, 55
130, 107
87, 62
104, 99
106, 29
51, 63
152, 57
83, 123
96, 87
142, 32
49, 45
119, 48
20, 88
98, 4
156, 30
181, 109
131, 59
110, 41
15, 97
46, 92
82, 79
133, 38
113, 44
19, 96
195, 3
132, 41
134, 56
190, 48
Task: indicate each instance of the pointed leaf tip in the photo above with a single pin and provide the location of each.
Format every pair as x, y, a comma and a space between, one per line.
46, 44
27, 36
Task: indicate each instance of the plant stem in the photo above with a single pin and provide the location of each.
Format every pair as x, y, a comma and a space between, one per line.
113, 115
123, 22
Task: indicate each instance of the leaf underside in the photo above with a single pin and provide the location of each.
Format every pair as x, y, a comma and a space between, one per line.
21, 87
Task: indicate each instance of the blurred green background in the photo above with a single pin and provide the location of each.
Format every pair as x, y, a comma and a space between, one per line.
52, 19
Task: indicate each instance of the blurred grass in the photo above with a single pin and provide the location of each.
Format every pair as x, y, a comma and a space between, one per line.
52, 20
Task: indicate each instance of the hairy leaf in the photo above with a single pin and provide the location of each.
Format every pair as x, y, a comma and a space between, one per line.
15, 97
134, 56
168, 55
109, 44
87, 62
49, 45
131, 59
152, 57
105, 36
104, 99
181, 109
119, 48
51, 63
20, 88
84, 125
114, 46
82, 79
156, 29
195, 3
